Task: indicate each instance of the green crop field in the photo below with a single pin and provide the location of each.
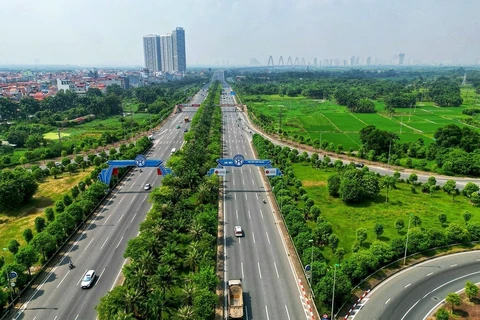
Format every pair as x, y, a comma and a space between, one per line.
402, 202
312, 118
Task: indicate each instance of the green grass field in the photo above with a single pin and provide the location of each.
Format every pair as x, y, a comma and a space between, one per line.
310, 117
402, 202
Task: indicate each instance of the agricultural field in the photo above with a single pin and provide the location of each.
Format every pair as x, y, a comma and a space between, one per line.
14, 222
346, 219
326, 120
94, 128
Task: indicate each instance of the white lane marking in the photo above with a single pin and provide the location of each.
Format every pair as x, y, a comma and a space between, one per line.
132, 199
267, 237
131, 186
253, 181
88, 244
243, 275
233, 181
249, 216
120, 201
429, 274
261, 213
134, 216
246, 312
410, 309
63, 279
101, 274
408, 285
104, 243
243, 181
246, 197
453, 265
83, 275
288, 314
77, 316
266, 310
235, 196
108, 218
121, 217
388, 300
118, 275
119, 243
53, 318
259, 270
144, 199
276, 270
236, 212
256, 194
253, 235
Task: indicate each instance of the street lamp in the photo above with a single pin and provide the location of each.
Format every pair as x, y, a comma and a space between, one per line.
311, 266
333, 291
406, 242
8, 279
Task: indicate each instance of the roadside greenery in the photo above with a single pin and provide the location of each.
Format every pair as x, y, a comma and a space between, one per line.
171, 269
311, 211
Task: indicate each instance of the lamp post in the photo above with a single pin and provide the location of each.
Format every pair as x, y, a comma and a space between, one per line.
311, 267
8, 279
406, 242
333, 291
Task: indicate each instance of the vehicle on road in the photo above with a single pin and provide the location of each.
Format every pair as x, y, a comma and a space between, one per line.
173, 150
186, 119
185, 130
147, 186
359, 165
88, 279
235, 299
178, 127
238, 231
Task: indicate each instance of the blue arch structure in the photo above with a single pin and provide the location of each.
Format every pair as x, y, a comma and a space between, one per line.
140, 161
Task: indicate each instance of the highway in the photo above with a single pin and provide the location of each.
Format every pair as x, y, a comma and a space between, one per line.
416, 291
103, 242
259, 258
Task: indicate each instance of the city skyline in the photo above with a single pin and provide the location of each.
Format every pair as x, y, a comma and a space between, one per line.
333, 29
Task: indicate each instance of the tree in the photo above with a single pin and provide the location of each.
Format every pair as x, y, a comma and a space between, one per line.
454, 299
416, 221
413, 178
49, 214
23, 161
44, 243
112, 303
204, 304
442, 314
75, 192
442, 217
67, 200
13, 246
59, 206
450, 187
388, 182
466, 217
361, 235
333, 241
399, 225
378, 229
39, 224
470, 187
471, 290
334, 185
27, 235
27, 257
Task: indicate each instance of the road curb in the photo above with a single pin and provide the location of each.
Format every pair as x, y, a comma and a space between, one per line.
219, 308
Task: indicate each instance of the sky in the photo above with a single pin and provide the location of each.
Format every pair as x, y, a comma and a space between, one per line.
109, 32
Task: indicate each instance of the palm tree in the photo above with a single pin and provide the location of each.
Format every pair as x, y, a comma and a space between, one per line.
136, 276
196, 229
188, 292
185, 312
133, 299
123, 315
148, 262
193, 258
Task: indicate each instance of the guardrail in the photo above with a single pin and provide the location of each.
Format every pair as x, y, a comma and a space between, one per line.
9, 306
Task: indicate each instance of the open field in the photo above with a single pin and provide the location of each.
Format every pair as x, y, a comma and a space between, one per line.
347, 219
14, 222
311, 118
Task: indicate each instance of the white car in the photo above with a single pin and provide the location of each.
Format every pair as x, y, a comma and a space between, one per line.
238, 231
147, 186
88, 279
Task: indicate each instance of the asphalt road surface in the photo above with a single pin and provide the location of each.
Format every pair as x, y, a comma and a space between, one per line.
102, 245
259, 257
415, 292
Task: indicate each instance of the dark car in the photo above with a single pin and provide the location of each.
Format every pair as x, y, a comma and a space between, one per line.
359, 165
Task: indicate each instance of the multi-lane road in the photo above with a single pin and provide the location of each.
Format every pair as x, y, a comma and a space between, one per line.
102, 244
259, 258
416, 291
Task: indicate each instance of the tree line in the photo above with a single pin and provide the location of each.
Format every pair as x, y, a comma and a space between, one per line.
171, 270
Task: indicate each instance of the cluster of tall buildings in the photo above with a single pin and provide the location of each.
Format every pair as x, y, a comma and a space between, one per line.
166, 52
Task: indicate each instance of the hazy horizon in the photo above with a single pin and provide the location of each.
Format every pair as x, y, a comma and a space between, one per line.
109, 33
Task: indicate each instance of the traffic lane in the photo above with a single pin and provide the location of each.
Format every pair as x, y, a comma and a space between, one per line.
419, 298
394, 286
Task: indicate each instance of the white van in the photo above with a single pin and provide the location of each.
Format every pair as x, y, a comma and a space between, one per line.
173, 150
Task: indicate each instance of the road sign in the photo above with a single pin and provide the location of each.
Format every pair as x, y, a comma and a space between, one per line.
220, 172
307, 267
232, 93
13, 275
272, 172
12, 284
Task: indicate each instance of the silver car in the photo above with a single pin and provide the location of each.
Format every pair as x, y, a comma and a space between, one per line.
88, 279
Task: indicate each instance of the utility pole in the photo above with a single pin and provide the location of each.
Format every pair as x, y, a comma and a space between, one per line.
389, 151
333, 291
280, 114
406, 242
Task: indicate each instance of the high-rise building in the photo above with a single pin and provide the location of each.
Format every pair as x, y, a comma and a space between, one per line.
368, 61
166, 45
357, 61
151, 51
179, 56
315, 63
352, 60
401, 59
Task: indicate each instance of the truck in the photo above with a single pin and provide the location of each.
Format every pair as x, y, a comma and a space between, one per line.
235, 299
186, 119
